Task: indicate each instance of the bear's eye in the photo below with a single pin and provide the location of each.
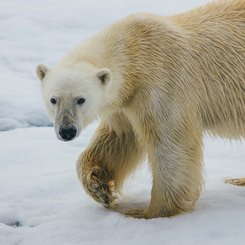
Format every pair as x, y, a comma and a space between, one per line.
53, 101
80, 101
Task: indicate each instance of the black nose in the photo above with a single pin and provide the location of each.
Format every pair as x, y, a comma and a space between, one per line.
67, 132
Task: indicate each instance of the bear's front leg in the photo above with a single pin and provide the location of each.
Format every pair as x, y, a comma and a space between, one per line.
99, 184
109, 159
177, 178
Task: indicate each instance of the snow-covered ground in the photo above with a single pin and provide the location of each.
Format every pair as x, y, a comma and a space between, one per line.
41, 200
43, 31
41, 195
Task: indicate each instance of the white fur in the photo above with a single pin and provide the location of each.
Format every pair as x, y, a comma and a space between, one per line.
67, 84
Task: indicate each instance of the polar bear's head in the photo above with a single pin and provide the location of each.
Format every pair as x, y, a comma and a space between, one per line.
74, 95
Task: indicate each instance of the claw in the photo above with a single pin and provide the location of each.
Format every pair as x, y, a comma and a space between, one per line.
96, 184
238, 182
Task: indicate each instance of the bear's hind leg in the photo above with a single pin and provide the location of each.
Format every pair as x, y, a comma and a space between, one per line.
238, 182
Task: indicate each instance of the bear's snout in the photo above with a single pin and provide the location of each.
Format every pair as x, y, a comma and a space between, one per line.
67, 132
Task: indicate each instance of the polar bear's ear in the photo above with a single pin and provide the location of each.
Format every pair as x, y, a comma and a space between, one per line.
104, 75
41, 71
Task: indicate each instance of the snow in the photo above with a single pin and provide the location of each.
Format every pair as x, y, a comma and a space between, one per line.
41, 199
42, 31
40, 191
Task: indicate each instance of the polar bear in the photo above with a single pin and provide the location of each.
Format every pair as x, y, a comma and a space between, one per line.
157, 84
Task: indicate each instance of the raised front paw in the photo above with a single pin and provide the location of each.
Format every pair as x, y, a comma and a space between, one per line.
98, 185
